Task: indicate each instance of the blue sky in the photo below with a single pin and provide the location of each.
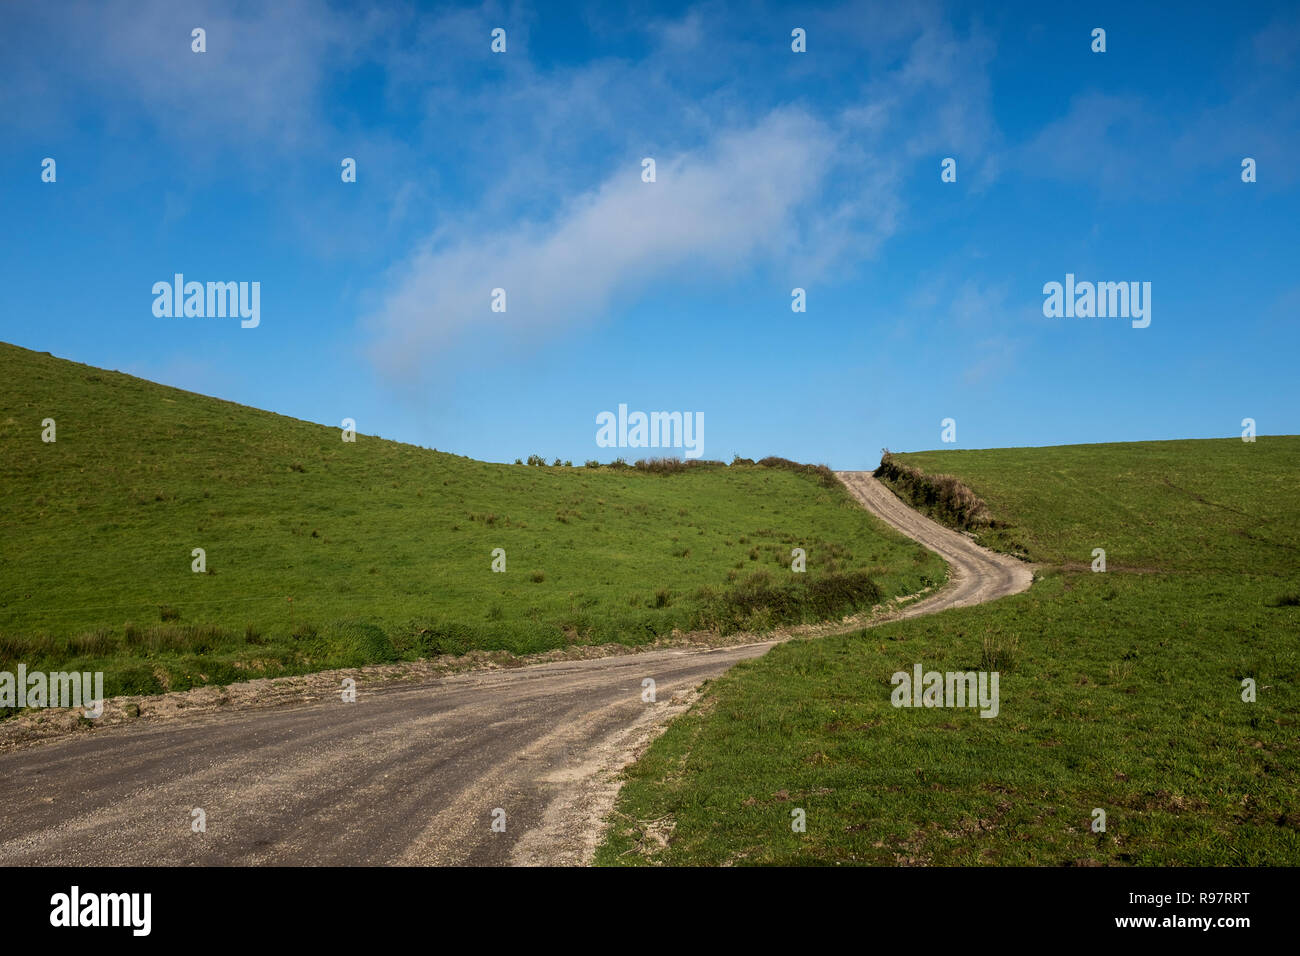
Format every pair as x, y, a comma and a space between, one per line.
775, 170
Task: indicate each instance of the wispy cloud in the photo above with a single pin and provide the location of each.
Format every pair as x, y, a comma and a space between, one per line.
523, 172
808, 191
260, 80
718, 208
1154, 143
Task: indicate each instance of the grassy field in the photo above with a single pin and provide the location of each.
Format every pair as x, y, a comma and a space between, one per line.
321, 553
1119, 691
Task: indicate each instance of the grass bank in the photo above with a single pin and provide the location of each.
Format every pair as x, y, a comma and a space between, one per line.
1120, 691
321, 553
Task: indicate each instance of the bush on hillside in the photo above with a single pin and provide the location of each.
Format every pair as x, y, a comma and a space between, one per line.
941, 496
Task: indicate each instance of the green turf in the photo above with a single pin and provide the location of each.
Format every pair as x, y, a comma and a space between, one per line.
322, 553
1120, 691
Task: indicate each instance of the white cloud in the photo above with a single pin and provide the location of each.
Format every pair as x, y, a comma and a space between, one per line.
749, 174
808, 190
260, 80
1164, 141
719, 208
1095, 142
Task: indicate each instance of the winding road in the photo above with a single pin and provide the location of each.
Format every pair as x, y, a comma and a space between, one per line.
495, 767
976, 574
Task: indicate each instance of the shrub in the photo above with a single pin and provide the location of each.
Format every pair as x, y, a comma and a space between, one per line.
757, 601
825, 477
940, 496
661, 466
431, 638
133, 679
97, 643
998, 654
356, 643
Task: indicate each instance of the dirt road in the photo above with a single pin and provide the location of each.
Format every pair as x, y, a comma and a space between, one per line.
976, 574
406, 774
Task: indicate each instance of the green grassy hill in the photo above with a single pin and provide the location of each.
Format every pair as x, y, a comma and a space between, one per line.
1120, 691
321, 553
1202, 505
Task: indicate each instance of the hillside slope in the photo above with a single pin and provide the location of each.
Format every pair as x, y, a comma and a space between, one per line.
322, 553
1124, 691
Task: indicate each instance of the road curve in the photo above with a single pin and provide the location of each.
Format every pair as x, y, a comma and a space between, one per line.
976, 573
405, 775
408, 774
